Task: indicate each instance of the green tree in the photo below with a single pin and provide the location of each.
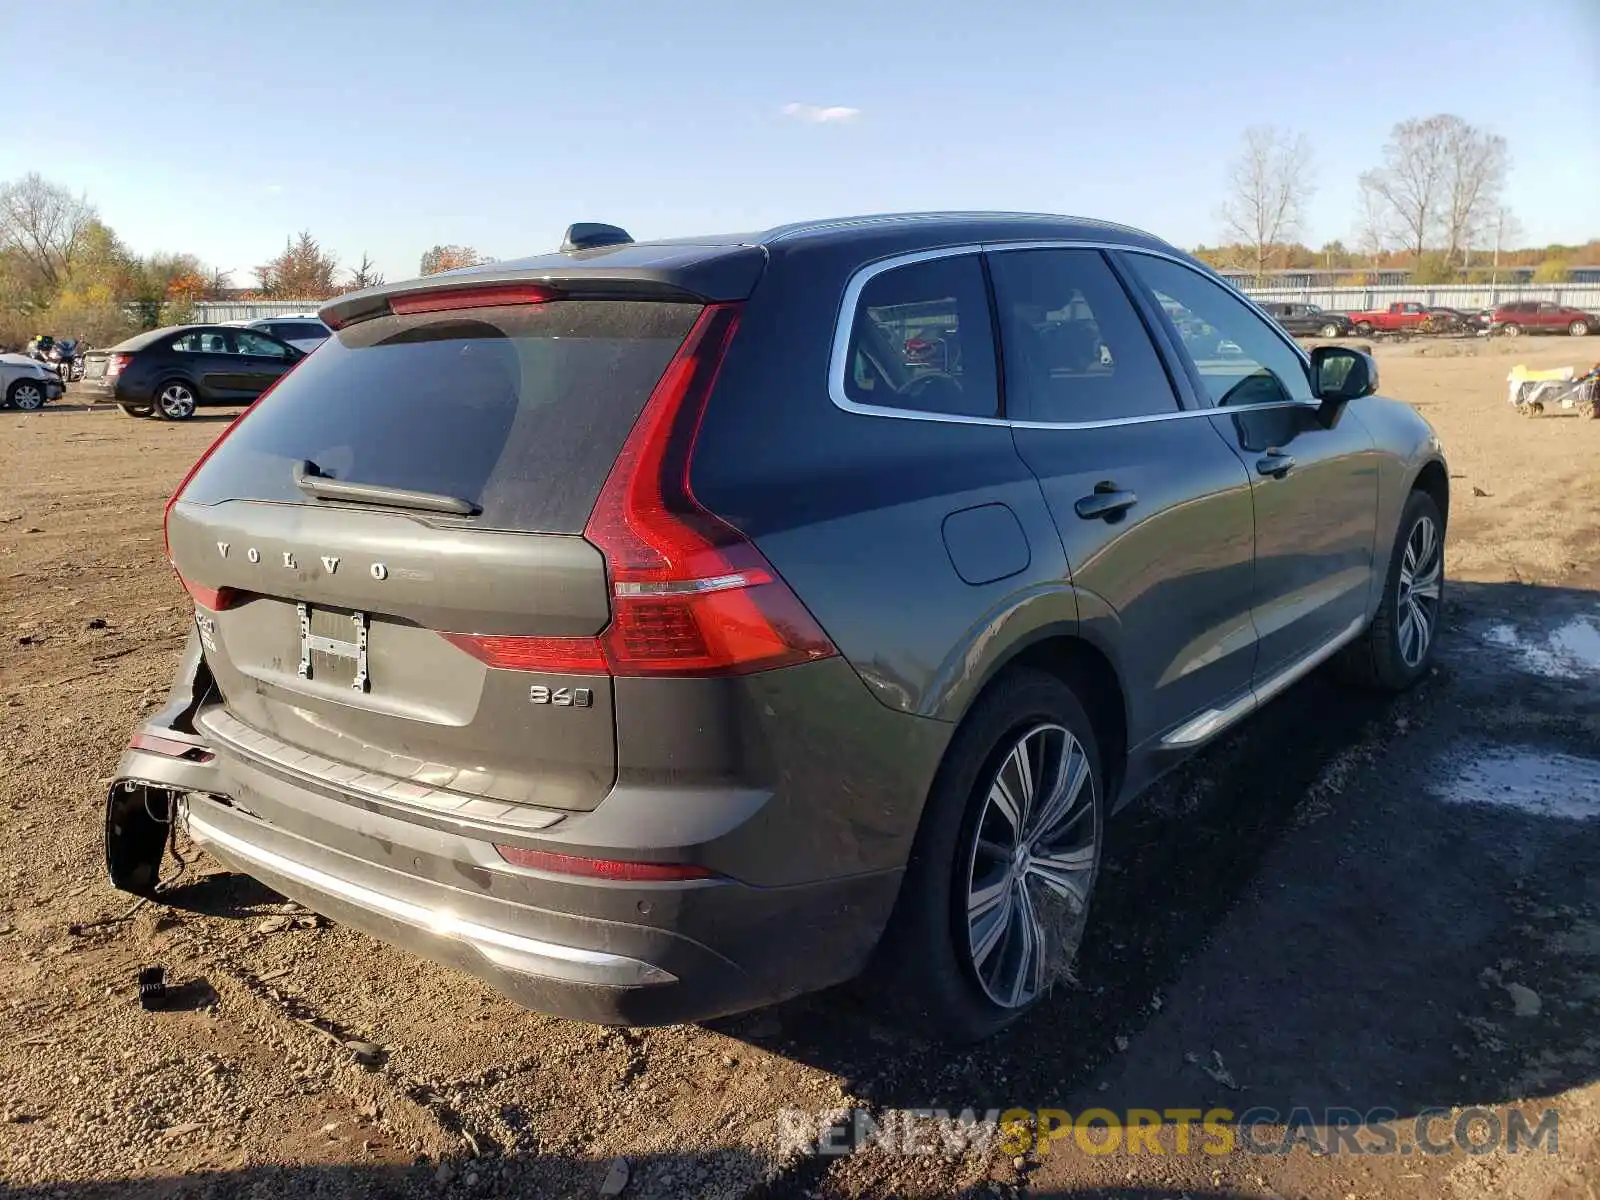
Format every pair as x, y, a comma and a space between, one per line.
1552, 270
303, 271
1434, 268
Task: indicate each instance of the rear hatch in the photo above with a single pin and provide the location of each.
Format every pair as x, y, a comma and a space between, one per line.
425, 475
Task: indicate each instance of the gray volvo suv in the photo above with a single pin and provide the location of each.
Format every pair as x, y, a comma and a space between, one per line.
661, 630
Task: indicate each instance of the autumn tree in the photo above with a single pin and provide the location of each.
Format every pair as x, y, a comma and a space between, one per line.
303, 271
364, 275
1438, 186
1269, 185
450, 258
44, 224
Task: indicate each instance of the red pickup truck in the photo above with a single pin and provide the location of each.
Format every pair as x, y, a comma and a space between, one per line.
1403, 315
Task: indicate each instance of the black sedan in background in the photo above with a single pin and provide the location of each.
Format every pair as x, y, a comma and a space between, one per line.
1307, 320
170, 372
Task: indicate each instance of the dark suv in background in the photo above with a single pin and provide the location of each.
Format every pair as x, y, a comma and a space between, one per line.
662, 630
1308, 320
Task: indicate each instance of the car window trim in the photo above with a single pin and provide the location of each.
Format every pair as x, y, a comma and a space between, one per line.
844, 324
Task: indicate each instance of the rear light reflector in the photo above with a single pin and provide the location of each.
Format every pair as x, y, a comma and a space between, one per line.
573, 656
602, 868
445, 300
116, 363
169, 747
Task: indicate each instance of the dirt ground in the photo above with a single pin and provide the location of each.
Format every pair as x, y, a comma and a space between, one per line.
1347, 904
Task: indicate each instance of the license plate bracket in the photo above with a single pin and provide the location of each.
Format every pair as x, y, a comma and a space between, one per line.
317, 642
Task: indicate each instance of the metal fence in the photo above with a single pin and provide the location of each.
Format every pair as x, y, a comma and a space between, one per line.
212, 312
1469, 297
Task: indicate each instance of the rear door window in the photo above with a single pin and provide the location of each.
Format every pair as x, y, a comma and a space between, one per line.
518, 409
923, 340
1075, 349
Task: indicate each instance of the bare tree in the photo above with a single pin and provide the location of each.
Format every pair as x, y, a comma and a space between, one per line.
1439, 179
365, 274
1475, 175
1269, 185
45, 224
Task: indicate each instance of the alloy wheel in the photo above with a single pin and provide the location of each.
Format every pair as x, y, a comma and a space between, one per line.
1421, 586
29, 397
176, 402
1031, 866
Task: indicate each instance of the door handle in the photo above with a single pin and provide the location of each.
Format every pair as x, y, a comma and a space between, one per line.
1105, 502
1275, 464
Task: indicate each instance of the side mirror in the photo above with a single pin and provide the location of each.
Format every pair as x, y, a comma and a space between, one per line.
1340, 374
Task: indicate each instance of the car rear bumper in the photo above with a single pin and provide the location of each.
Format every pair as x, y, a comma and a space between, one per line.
610, 952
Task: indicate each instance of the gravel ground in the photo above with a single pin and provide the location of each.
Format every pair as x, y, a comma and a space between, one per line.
1348, 903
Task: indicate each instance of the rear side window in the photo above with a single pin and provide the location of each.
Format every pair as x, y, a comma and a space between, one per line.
518, 409
922, 340
1075, 349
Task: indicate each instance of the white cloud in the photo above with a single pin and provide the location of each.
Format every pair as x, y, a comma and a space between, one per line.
816, 114
274, 189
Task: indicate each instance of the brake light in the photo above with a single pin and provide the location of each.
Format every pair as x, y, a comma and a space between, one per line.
602, 868
445, 300
216, 599
116, 363
569, 655
690, 594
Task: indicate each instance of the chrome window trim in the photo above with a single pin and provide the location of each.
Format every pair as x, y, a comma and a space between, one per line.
844, 326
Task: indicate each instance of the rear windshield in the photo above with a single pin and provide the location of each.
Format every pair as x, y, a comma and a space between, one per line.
519, 409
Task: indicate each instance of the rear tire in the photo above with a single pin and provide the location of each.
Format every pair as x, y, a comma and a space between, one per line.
1389, 656
1511, 330
175, 401
988, 921
1330, 331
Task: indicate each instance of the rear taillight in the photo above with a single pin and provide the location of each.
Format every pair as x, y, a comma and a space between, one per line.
116, 363
690, 595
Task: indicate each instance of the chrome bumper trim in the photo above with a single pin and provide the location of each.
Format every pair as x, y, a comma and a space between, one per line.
509, 950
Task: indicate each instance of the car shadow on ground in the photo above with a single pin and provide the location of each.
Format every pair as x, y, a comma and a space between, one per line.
1371, 933
532, 1174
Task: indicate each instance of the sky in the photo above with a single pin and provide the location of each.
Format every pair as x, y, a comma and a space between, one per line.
386, 126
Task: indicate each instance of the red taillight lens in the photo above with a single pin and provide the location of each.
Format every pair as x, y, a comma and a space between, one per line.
602, 868
475, 297
573, 656
690, 594
216, 599
117, 362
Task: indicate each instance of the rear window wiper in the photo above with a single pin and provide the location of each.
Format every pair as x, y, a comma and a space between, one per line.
310, 480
